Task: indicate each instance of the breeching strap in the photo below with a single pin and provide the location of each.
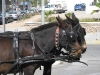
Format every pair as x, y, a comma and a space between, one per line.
15, 45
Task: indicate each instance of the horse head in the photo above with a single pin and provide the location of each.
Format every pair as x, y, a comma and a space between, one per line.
81, 33
68, 39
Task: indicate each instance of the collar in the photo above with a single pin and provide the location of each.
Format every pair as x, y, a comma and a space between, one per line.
57, 38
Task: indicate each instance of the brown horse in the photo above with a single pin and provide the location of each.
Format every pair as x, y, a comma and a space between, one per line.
40, 42
81, 40
47, 66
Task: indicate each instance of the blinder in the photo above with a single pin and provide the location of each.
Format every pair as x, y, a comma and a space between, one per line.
71, 36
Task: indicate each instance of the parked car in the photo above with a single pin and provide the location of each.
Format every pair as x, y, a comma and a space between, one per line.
23, 12
80, 7
31, 10
58, 7
8, 18
16, 15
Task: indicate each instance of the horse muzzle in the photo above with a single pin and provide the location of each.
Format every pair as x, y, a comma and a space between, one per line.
75, 55
83, 47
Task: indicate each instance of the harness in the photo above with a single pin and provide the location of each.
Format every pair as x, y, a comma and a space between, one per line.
18, 61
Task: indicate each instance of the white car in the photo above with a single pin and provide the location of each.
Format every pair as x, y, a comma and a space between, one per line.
58, 7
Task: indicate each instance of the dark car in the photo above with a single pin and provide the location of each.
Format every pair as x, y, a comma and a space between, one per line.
8, 18
80, 7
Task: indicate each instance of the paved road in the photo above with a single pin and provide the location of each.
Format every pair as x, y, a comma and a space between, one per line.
91, 57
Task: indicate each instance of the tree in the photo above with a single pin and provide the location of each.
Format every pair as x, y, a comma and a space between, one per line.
97, 5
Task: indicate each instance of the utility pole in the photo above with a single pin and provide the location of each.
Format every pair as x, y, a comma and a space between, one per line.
42, 12
3, 14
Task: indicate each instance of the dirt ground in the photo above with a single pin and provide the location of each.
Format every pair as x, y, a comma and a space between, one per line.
21, 24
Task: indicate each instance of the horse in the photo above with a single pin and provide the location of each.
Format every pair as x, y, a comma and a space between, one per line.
43, 42
47, 66
81, 33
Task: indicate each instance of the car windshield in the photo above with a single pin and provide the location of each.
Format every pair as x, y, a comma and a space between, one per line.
77, 4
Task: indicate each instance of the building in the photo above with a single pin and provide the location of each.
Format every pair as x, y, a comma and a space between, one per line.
7, 2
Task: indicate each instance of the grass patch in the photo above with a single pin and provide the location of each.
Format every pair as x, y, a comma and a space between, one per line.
89, 20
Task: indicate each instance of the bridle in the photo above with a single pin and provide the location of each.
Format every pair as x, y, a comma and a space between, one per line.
57, 33
57, 37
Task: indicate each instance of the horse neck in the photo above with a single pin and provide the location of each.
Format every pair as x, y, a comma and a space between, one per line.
45, 39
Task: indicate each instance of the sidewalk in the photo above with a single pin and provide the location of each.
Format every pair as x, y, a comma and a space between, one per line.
92, 41
93, 38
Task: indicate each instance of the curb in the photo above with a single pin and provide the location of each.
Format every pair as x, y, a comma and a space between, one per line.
93, 42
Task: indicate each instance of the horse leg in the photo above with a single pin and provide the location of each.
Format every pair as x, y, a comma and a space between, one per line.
47, 68
21, 72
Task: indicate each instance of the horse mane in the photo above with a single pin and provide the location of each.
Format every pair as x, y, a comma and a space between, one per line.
45, 26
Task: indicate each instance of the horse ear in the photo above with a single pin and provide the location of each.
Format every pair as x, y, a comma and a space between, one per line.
61, 22
76, 28
58, 21
68, 18
74, 18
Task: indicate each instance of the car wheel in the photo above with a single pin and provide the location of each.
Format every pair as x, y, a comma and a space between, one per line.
63, 11
12, 20
6, 21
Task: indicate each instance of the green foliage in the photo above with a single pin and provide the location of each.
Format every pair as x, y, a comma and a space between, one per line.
48, 14
97, 5
51, 19
69, 14
94, 11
